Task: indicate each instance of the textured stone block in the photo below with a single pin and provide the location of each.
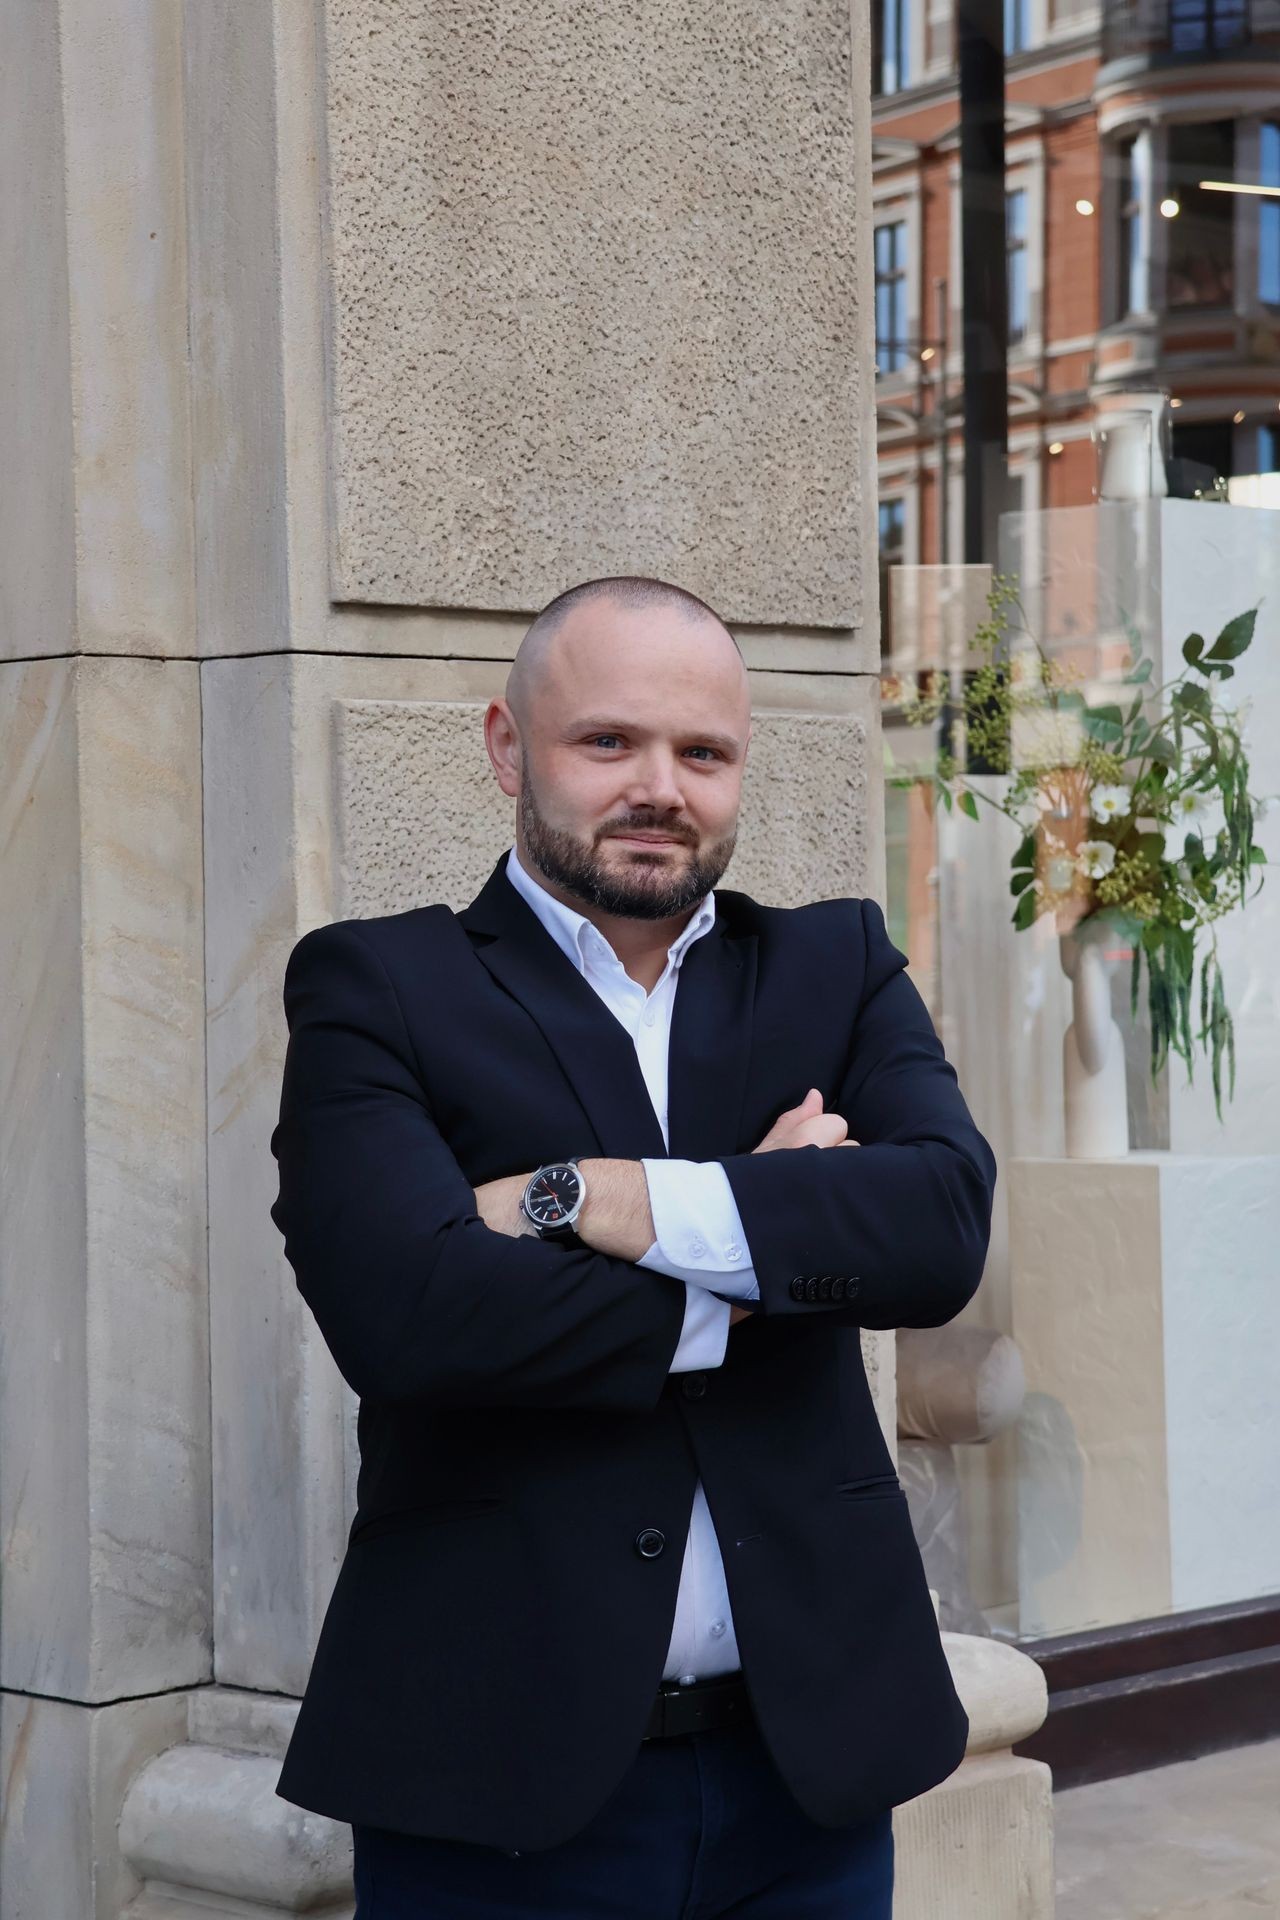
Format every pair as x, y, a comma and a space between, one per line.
978, 1847
599, 302
421, 815
104, 1397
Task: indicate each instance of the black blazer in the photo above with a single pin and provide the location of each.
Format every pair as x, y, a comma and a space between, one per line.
495, 1638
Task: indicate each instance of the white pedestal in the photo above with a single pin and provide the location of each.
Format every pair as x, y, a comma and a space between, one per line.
1146, 1308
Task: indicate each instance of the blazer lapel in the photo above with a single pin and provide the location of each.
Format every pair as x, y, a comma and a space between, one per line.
710, 1032
595, 1051
711, 1042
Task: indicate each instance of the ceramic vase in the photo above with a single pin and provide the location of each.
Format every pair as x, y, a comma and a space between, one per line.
1093, 1065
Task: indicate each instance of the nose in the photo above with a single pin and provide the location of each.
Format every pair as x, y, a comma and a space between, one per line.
653, 785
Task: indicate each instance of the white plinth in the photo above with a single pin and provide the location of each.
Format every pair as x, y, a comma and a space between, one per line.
1146, 1307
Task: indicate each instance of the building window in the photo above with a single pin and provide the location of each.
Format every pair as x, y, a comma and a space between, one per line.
1208, 26
1201, 240
1015, 226
1135, 216
891, 296
891, 51
893, 532
1017, 25
1269, 214
1267, 455
893, 551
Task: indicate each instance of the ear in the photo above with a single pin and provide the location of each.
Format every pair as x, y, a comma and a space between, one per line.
502, 742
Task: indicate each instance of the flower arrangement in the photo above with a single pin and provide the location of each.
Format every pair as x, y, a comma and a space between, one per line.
1136, 817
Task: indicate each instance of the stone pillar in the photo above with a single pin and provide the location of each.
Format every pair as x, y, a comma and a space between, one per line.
370, 326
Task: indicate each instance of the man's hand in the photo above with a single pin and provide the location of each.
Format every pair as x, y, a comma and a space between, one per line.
806, 1126
498, 1204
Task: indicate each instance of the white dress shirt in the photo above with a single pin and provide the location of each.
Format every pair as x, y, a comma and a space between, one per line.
699, 1239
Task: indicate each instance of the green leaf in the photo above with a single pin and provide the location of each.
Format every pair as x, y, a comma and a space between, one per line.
968, 804
1021, 881
1162, 750
1142, 672
1234, 638
1026, 853
1025, 911
1193, 698
1192, 648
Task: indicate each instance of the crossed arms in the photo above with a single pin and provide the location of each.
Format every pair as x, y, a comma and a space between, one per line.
420, 1299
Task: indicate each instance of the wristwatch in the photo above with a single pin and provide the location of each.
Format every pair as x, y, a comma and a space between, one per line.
553, 1199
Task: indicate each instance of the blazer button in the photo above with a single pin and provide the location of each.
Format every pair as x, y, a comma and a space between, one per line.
811, 1287
649, 1543
693, 1386
824, 1287
851, 1287
837, 1288
797, 1287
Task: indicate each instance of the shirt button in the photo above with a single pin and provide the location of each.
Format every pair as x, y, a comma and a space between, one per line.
687, 1679
717, 1628
733, 1251
697, 1248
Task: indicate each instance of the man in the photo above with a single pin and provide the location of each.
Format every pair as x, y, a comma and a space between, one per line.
590, 1189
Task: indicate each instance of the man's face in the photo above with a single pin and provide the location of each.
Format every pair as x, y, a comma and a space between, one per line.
631, 772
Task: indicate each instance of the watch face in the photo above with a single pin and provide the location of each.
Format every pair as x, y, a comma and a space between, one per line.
553, 1196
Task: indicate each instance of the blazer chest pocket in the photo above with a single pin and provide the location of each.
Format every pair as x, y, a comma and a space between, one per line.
432, 1514
871, 1486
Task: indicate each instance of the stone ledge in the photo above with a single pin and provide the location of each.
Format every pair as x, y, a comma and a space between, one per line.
209, 1820
1004, 1692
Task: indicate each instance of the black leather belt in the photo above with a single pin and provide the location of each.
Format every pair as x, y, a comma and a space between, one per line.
719, 1702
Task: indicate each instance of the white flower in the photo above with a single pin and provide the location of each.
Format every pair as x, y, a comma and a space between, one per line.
1059, 875
1096, 857
1110, 803
1192, 808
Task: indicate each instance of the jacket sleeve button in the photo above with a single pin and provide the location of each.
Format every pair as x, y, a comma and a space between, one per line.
837, 1287
811, 1287
824, 1287
797, 1287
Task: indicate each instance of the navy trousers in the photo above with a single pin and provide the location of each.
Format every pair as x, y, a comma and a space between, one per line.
701, 1827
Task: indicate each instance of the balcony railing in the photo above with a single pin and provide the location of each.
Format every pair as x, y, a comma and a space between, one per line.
1165, 31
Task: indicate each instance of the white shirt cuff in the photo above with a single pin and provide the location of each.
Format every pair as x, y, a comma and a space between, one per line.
697, 1228
705, 1333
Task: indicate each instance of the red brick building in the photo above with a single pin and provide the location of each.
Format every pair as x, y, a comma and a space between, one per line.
1125, 271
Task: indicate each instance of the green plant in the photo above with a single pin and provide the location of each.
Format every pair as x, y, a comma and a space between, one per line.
1136, 816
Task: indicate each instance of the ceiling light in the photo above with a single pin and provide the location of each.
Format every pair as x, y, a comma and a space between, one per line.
1237, 186
1238, 417
926, 353
1084, 206
1175, 403
1170, 208
1055, 446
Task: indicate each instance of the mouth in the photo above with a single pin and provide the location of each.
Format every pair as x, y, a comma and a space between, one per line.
646, 839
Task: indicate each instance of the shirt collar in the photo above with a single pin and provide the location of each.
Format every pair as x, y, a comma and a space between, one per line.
576, 936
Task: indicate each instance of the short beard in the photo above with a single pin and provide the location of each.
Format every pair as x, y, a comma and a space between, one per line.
650, 895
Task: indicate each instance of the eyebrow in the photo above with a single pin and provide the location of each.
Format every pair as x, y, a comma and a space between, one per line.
703, 738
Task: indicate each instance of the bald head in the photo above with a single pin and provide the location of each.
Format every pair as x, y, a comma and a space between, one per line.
583, 613
623, 735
